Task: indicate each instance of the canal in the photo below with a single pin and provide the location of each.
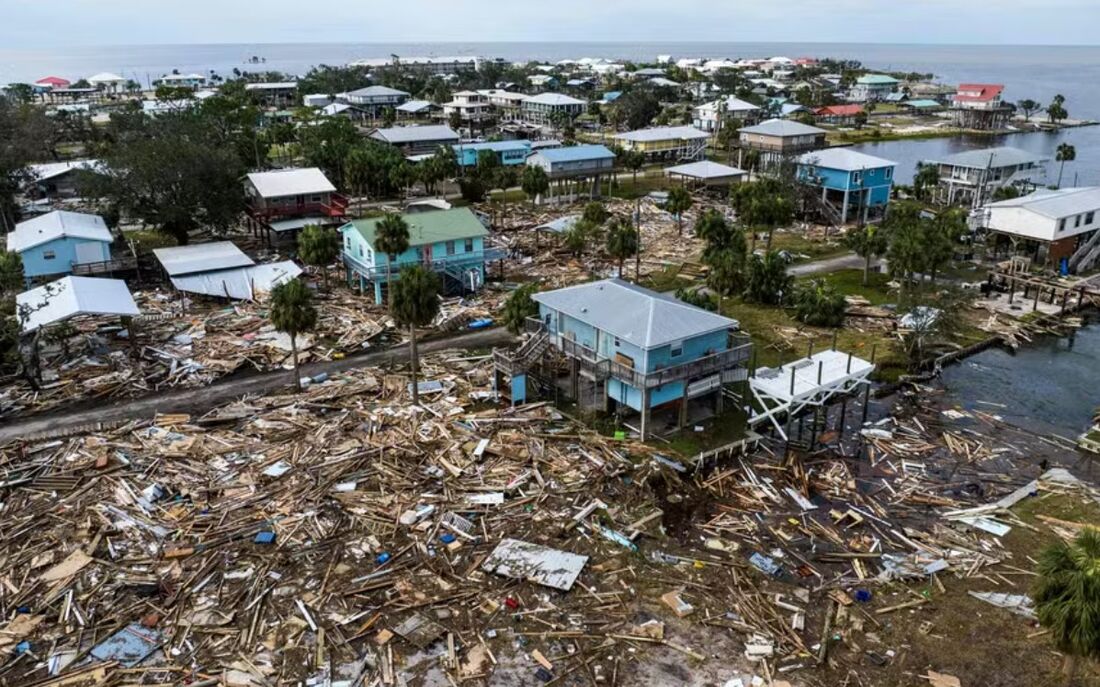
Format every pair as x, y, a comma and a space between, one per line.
1050, 386
1085, 170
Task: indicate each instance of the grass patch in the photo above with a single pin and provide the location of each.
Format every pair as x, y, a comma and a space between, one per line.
799, 245
717, 431
850, 283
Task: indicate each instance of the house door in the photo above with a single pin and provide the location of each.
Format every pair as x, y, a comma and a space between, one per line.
301, 202
426, 255
89, 251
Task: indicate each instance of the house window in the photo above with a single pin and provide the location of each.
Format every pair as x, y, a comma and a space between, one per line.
450, 248
360, 250
347, 242
857, 177
889, 173
616, 342
1090, 217
315, 199
676, 349
1061, 225
1077, 221
48, 255
469, 247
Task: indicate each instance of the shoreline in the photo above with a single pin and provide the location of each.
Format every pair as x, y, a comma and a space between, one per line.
836, 139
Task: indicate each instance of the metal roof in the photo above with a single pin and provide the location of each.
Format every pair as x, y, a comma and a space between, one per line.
272, 86
663, 133
705, 169
782, 128
375, 91
71, 296
844, 159
55, 225
1056, 204
106, 77
644, 318
239, 283
291, 182
553, 99
412, 134
201, 257
50, 170
428, 227
575, 153
876, 79
415, 106
991, 158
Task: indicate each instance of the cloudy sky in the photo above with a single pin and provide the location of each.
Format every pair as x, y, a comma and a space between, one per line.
38, 24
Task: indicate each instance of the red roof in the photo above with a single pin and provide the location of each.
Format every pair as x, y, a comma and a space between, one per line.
978, 92
53, 81
838, 111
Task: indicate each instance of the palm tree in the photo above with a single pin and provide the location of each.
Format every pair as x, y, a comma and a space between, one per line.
391, 238
868, 241
318, 246
1067, 597
1065, 153
414, 303
622, 242
679, 202
520, 306
292, 313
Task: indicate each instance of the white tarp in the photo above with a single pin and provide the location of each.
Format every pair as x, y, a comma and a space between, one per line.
72, 296
238, 283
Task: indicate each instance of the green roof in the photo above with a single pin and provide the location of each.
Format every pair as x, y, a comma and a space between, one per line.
923, 103
877, 79
426, 228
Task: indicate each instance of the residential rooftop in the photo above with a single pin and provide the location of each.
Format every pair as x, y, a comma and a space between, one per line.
291, 182
428, 227
1056, 203
644, 318
844, 159
782, 128
663, 133
991, 158
55, 225
412, 134
576, 153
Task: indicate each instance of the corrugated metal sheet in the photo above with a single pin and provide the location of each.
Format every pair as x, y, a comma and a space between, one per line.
535, 563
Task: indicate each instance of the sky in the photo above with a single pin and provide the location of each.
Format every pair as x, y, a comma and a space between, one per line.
33, 24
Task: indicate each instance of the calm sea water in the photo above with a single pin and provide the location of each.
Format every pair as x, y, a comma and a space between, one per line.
1036, 72
1050, 386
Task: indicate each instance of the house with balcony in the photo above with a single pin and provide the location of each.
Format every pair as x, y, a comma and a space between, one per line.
973, 176
274, 93
710, 117
508, 153
471, 107
52, 244
417, 140
871, 88
776, 139
192, 81
980, 106
676, 143
449, 242
546, 109
375, 99
282, 202
506, 104
854, 186
568, 165
841, 115
628, 350
1058, 228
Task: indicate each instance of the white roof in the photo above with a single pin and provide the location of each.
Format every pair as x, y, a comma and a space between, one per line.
414, 106
836, 368
844, 159
105, 77
733, 104
639, 316
239, 283
992, 158
782, 128
1056, 203
663, 133
705, 169
201, 257
71, 296
410, 134
291, 182
50, 170
553, 99
271, 86
55, 225
375, 92
336, 108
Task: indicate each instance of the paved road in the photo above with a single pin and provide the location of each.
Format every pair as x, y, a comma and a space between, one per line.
849, 261
204, 398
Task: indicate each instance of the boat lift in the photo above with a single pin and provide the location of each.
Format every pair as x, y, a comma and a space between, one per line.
805, 383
